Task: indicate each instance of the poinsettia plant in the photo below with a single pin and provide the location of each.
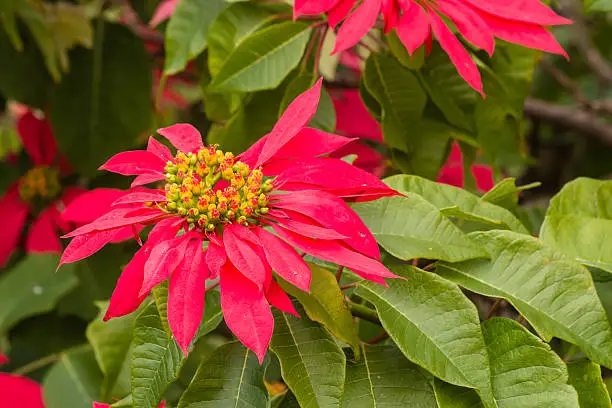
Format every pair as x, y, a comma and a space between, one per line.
318, 203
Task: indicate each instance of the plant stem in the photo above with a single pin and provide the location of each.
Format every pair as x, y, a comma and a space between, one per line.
493, 308
382, 337
349, 285
364, 313
37, 364
323, 33
339, 273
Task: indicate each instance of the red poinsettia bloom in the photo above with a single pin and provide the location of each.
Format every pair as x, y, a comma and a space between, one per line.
521, 22
163, 12
232, 204
452, 172
38, 193
354, 120
16, 391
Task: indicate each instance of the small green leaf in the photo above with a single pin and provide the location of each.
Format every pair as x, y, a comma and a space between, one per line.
410, 227
384, 378
33, 287
187, 31
156, 359
452, 396
325, 304
264, 59
111, 342
444, 197
585, 377
434, 325
74, 381
524, 370
232, 377
312, 364
505, 193
398, 49
601, 6
555, 294
579, 222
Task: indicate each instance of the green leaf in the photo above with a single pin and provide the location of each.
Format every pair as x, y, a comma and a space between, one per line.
383, 378
505, 193
555, 294
524, 370
579, 222
444, 196
593, 6
231, 378
33, 287
111, 342
312, 364
263, 59
410, 227
434, 325
585, 377
213, 315
187, 31
104, 103
452, 396
325, 304
399, 51
74, 381
234, 24
156, 359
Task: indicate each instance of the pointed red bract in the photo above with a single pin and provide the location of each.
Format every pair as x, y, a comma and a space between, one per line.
452, 172
159, 149
215, 259
469, 24
243, 254
357, 25
42, 237
246, 311
413, 28
312, 7
186, 295
280, 300
285, 261
183, 136
164, 10
16, 391
85, 245
133, 163
140, 197
339, 12
91, 205
164, 259
292, 121
12, 224
37, 138
307, 226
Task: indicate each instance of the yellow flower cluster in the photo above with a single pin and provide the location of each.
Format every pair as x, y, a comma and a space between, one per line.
40, 184
192, 190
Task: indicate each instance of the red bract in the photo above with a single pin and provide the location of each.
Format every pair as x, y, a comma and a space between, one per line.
521, 22
164, 11
16, 391
37, 193
250, 223
452, 172
3, 359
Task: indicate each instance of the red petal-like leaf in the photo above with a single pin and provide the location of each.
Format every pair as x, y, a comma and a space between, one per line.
37, 138
292, 121
339, 12
159, 149
357, 25
42, 237
164, 259
469, 24
413, 28
336, 252
458, 55
163, 12
134, 162
148, 178
333, 213
285, 261
91, 205
141, 197
14, 214
312, 7
526, 11
307, 227
311, 142
215, 259
353, 118
126, 297
86, 245
246, 311
118, 217
16, 391
183, 136
279, 299
186, 295
243, 254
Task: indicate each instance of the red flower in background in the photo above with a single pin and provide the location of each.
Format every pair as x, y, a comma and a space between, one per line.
521, 22
452, 172
354, 120
163, 12
16, 391
3, 359
37, 193
214, 197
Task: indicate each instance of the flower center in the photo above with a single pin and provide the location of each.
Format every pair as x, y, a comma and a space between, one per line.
40, 184
210, 187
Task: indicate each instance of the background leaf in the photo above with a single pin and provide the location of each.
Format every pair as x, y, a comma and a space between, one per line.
585, 377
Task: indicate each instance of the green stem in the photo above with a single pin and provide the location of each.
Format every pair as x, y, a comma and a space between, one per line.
364, 313
37, 364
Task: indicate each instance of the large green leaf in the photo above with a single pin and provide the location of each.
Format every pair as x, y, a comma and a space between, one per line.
111, 342
452, 396
33, 287
585, 377
187, 31
325, 304
579, 222
233, 25
104, 103
444, 196
525, 372
231, 378
555, 294
156, 359
263, 59
410, 227
312, 364
434, 325
383, 378
74, 381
